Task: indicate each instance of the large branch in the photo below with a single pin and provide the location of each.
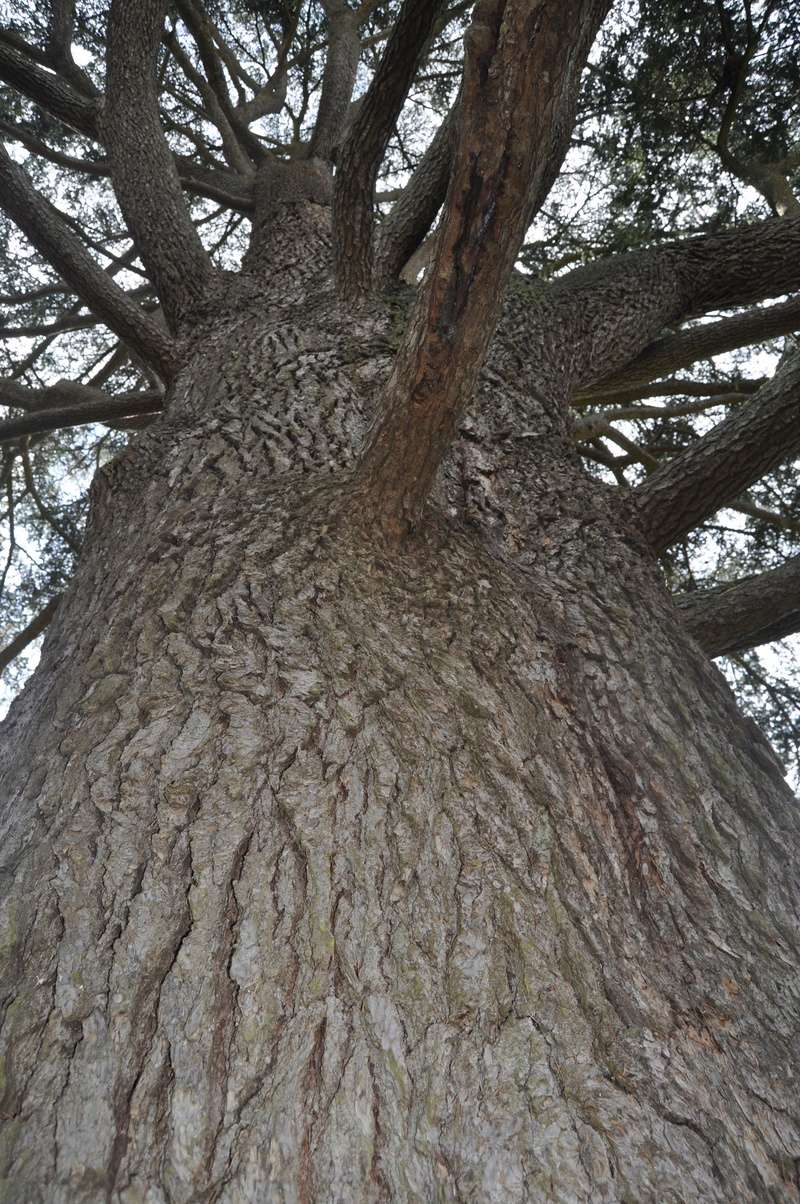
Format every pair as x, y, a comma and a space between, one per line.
142, 166
360, 156
747, 613
48, 89
64, 251
713, 471
590, 324
338, 80
415, 210
680, 350
522, 71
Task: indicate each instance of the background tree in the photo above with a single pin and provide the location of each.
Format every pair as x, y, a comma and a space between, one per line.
376, 826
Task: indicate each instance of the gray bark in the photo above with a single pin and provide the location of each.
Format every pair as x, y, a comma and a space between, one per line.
337, 872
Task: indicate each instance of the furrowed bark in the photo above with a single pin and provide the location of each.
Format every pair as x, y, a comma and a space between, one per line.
48, 89
415, 211
718, 467
99, 409
338, 80
713, 338
335, 875
142, 166
28, 634
64, 251
746, 613
522, 70
360, 157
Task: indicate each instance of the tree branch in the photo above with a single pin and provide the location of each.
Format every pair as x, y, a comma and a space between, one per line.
338, 81
701, 342
746, 613
28, 634
717, 468
51, 236
199, 25
360, 156
97, 407
48, 89
522, 70
415, 210
142, 166
587, 326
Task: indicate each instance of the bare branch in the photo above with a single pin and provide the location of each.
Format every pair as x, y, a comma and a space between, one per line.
199, 24
517, 113
48, 89
338, 81
672, 387
415, 211
99, 408
700, 342
745, 613
28, 634
142, 166
717, 468
360, 156
51, 236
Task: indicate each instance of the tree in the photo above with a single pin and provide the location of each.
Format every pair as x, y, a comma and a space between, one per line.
376, 825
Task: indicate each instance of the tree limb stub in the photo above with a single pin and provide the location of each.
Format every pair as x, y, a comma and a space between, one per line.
522, 69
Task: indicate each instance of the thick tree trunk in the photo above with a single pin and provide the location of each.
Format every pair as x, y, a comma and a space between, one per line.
342, 872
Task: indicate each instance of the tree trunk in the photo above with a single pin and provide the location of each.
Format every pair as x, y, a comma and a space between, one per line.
340, 871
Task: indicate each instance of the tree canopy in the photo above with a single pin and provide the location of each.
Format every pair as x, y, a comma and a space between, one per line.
688, 124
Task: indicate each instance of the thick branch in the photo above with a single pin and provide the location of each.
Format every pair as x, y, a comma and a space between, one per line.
48, 89
718, 467
142, 166
338, 81
521, 74
700, 342
28, 634
746, 613
415, 211
51, 236
360, 156
588, 326
100, 409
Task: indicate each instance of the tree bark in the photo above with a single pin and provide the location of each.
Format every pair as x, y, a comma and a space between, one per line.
445, 872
